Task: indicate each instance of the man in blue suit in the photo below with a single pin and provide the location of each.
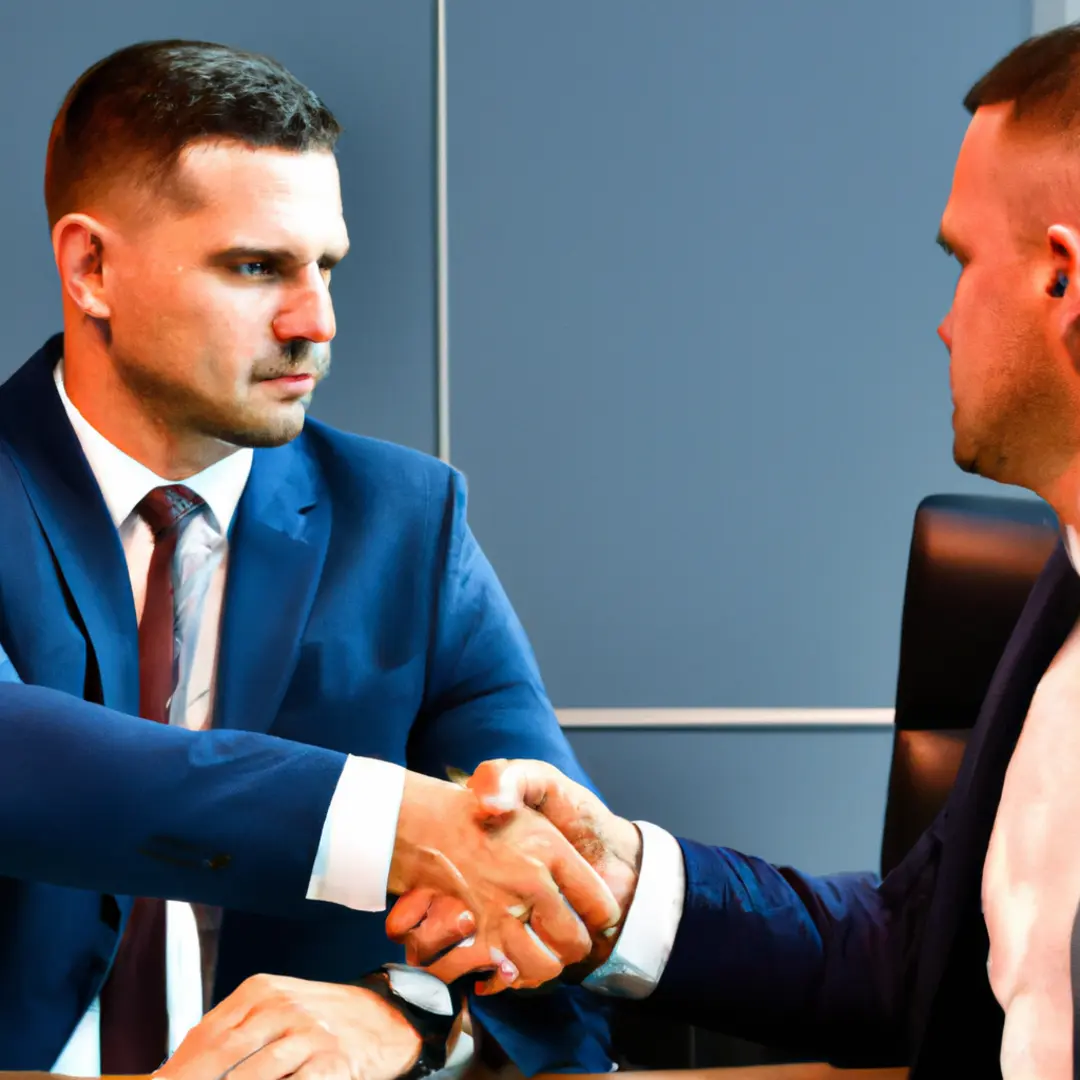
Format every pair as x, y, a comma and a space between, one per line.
958, 962
305, 613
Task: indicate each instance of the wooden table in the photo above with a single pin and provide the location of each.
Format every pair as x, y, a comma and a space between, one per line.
763, 1072
757, 1072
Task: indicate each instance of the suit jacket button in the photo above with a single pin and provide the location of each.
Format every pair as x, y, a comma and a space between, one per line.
217, 862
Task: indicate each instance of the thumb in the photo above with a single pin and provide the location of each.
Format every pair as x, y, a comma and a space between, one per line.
503, 786
410, 910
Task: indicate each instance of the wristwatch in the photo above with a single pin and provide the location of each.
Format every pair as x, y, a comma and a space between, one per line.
433, 1021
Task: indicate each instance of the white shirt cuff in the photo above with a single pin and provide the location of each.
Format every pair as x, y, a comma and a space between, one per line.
636, 964
352, 865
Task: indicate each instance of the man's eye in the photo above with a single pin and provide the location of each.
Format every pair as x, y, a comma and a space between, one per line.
254, 269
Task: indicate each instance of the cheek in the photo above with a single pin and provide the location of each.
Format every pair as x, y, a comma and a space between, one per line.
151, 300
977, 326
241, 313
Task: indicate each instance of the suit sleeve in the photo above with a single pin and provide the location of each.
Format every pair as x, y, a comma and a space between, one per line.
485, 699
823, 965
93, 799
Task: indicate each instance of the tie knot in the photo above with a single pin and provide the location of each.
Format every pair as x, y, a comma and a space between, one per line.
165, 507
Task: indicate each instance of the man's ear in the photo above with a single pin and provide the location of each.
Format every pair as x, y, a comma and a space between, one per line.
1062, 286
79, 246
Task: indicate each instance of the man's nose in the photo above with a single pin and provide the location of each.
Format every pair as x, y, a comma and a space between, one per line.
309, 313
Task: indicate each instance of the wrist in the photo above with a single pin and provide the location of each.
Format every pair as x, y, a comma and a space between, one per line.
433, 1027
626, 847
623, 867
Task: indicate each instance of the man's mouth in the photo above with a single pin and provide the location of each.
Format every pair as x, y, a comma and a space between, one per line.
300, 383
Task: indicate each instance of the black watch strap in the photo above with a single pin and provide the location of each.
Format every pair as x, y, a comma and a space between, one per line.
433, 1028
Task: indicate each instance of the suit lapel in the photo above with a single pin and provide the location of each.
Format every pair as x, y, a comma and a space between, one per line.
1049, 615
276, 552
69, 505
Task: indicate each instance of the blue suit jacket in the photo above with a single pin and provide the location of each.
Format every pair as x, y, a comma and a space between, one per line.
360, 617
864, 971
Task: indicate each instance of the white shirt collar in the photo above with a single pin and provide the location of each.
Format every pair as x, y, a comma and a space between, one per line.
1072, 547
124, 482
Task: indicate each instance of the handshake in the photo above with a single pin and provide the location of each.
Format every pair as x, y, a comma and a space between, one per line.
513, 874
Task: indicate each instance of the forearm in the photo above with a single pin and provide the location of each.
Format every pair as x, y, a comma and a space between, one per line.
820, 964
94, 799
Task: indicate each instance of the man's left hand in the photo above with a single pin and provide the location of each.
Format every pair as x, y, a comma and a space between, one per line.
273, 1027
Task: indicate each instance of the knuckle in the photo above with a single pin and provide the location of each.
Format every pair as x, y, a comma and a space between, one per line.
236, 1044
260, 982
574, 951
296, 1044
330, 1065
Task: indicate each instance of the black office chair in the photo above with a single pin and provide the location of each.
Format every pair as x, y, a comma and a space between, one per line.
972, 563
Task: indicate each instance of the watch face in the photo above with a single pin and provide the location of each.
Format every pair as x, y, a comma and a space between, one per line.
420, 989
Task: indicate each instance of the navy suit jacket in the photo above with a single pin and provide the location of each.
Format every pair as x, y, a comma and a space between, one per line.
862, 971
360, 617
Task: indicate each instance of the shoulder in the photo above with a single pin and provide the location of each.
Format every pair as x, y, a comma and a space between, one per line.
356, 466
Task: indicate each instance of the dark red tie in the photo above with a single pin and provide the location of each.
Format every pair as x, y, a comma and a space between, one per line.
134, 1018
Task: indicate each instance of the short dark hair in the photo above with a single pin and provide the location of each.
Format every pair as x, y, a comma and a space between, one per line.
1041, 77
133, 113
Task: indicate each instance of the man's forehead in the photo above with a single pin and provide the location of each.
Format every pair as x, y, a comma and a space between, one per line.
988, 168
981, 151
269, 199
234, 173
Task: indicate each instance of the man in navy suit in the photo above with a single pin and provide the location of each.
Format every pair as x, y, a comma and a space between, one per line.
958, 962
305, 613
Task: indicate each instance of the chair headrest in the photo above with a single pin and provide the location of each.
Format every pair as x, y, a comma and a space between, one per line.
973, 562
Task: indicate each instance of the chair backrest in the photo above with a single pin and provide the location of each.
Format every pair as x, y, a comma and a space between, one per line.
972, 564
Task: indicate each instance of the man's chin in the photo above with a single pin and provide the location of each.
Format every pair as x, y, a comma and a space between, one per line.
276, 431
965, 460
965, 452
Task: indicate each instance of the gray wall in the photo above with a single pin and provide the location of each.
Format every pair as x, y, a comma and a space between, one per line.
814, 799
694, 289
371, 60
693, 292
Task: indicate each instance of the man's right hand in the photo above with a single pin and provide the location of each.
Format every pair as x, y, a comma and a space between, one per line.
510, 880
427, 920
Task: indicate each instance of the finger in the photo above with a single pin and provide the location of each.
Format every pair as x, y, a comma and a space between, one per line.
233, 1031
408, 912
501, 786
468, 959
535, 962
448, 923
202, 1058
584, 889
278, 1058
331, 1065
568, 939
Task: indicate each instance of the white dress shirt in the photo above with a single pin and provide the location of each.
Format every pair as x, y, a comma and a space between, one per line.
640, 955
1031, 876
352, 864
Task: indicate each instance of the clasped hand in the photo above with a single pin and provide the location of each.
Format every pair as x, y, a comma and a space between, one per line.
517, 874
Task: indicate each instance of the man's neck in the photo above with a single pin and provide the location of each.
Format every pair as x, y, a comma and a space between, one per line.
116, 413
1063, 495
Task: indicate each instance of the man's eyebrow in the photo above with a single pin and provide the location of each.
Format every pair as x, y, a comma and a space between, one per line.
278, 255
